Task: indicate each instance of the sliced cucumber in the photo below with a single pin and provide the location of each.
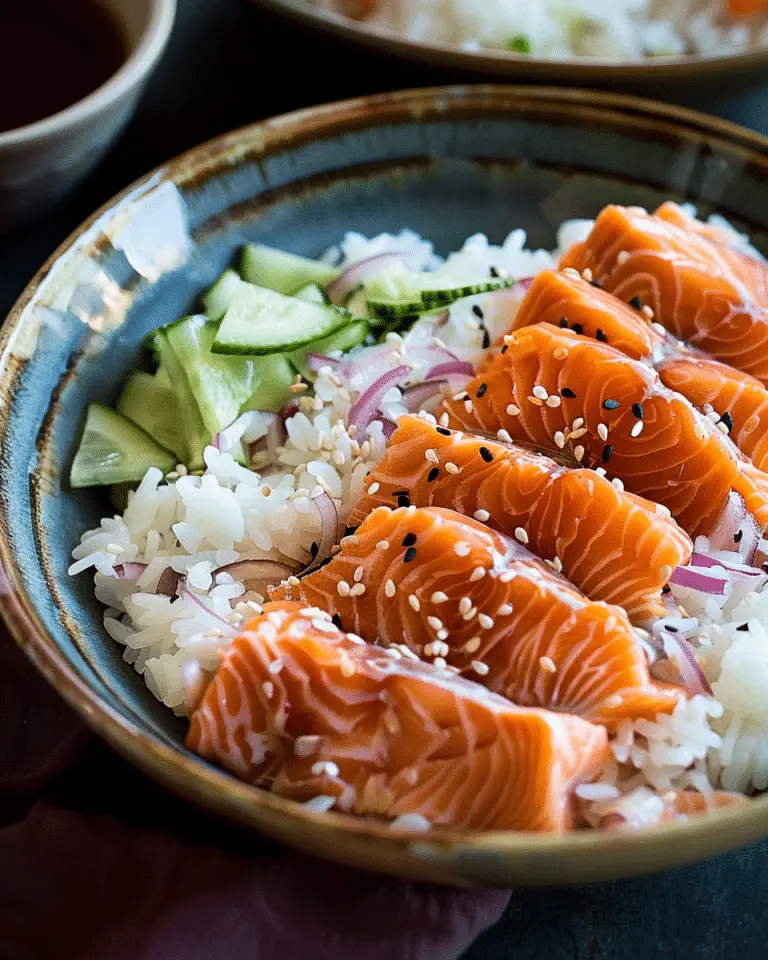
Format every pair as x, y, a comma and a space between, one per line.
435, 296
191, 426
312, 293
261, 321
344, 339
283, 272
218, 297
114, 450
274, 376
149, 401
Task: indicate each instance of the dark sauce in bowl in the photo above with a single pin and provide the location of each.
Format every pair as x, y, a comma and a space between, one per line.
52, 54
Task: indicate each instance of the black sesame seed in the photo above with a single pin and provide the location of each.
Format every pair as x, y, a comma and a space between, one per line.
727, 419
636, 302
610, 404
607, 452
348, 531
409, 539
443, 432
481, 390
486, 454
670, 629
666, 590
478, 311
600, 335
737, 536
336, 621
595, 283
744, 627
637, 409
486, 338
433, 474
504, 348
568, 393
313, 550
403, 500
577, 328
564, 323
410, 554
494, 273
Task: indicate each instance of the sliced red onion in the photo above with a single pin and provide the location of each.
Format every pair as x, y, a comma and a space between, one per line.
257, 575
225, 626
168, 582
329, 527
129, 571
388, 427
366, 407
450, 368
683, 656
734, 520
419, 394
351, 278
704, 583
316, 361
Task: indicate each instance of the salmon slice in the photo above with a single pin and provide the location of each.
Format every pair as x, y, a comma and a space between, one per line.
690, 803
610, 544
739, 400
555, 389
692, 285
453, 590
306, 710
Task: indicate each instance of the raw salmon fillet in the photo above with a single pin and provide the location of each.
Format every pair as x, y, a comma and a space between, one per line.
708, 294
739, 401
555, 388
306, 710
610, 544
453, 590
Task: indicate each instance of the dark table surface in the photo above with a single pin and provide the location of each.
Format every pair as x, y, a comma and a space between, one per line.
229, 64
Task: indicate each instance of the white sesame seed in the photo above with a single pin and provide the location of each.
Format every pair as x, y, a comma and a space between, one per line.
435, 622
444, 420
428, 648
315, 613
443, 635
599, 791
637, 429
480, 668
324, 626
358, 574
269, 688
601, 471
481, 515
353, 638
513, 410
560, 353
663, 511
342, 588
459, 396
553, 401
587, 274
548, 664
305, 745
578, 433
431, 456
647, 311
477, 574
557, 563
357, 590
389, 588
462, 549
536, 401
382, 545
374, 488
700, 432
327, 767
622, 256
439, 663
473, 645
470, 614
413, 600
578, 453
540, 392
559, 439
439, 597
570, 272
469, 406
615, 700
665, 572
451, 468
602, 431
713, 415
506, 576
465, 604
485, 621
505, 609
275, 667
521, 535
578, 422
618, 483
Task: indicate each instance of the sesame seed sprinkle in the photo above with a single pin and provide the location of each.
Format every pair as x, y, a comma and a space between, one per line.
485, 621
357, 590
269, 688
536, 401
615, 700
472, 645
469, 615
469, 406
602, 431
342, 588
560, 353
477, 574
480, 668
465, 604
374, 488
440, 663
513, 410
578, 422
435, 622
637, 429
559, 439
540, 392
325, 767
578, 453
275, 667
521, 535
382, 545
431, 456
389, 588
618, 483
451, 468
481, 515
439, 597
647, 311
504, 436
505, 609
587, 275
357, 576
553, 401
414, 602
548, 664
462, 549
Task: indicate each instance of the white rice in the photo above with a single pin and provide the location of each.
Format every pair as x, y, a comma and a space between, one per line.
608, 29
197, 524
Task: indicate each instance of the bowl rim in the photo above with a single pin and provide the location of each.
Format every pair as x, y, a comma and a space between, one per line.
132, 71
515, 65
214, 789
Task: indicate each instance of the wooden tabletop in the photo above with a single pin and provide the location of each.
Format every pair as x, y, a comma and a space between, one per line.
229, 64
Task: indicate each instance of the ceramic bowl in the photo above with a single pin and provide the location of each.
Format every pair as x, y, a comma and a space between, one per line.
513, 66
40, 162
446, 162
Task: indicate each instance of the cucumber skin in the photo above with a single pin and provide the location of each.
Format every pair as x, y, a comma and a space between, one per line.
143, 398
434, 299
287, 273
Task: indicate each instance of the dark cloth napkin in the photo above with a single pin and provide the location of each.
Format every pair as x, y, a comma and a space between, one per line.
121, 883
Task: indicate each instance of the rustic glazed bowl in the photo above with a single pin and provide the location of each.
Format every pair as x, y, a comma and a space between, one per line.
515, 66
446, 162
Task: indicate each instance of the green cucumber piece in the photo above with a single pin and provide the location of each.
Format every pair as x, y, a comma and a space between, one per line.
114, 450
345, 339
149, 401
312, 293
284, 272
191, 426
217, 298
274, 376
439, 296
260, 321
